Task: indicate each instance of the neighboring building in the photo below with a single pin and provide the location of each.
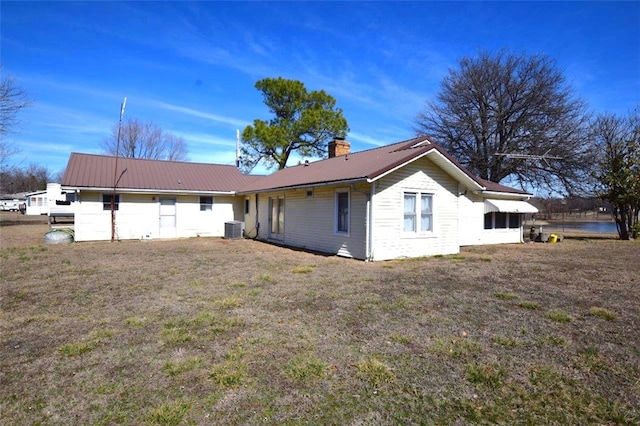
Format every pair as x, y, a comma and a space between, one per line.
37, 202
153, 199
407, 199
53, 199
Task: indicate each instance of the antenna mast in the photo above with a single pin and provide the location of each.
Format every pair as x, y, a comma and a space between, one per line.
238, 148
115, 174
544, 157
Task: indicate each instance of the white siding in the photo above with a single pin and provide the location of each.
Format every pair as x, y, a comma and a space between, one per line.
138, 216
471, 220
389, 241
472, 230
37, 204
501, 236
309, 222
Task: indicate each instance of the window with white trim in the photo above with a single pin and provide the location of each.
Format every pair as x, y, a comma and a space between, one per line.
206, 203
106, 201
276, 217
417, 212
342, 212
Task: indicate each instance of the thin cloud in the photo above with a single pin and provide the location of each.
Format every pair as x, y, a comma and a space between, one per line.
369, 140
45, 84
232, 122
206, 139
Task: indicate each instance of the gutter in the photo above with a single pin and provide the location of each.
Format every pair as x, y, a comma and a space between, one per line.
499, 193
147, 191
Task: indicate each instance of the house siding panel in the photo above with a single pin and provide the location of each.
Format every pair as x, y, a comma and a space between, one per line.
471, 216
310, 224
472, 230
91, 222
389, 239
138, 217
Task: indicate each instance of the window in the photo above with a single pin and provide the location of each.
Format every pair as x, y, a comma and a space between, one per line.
276, 217
206, 204
501, 220
410, 212
514, 220
106, 201
426, 214
412, 209
342, 212
488, 221
247, 204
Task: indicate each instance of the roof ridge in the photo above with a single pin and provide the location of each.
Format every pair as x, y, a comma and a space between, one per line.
386, 148
152, 159
390, 145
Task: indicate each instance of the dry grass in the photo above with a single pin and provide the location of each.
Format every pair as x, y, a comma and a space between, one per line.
204, 331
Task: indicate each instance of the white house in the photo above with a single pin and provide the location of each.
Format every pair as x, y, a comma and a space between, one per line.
407, 199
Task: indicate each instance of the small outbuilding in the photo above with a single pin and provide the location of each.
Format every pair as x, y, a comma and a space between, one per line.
151, 198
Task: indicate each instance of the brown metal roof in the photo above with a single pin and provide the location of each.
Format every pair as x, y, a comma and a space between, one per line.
362, 165
496, 187
98, 171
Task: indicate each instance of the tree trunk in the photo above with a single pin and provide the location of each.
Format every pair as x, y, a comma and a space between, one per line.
621, 222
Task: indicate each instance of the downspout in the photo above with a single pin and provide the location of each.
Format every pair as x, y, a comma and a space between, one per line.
370, 224
458, 193
521, 228
367, 249
257, 219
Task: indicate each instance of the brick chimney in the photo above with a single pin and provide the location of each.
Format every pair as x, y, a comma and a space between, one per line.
338, 147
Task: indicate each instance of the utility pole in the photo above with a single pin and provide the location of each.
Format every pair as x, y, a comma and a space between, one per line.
115, 174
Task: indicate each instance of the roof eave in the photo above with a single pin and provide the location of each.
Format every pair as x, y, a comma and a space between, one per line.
144, 191
441, 161
306, 185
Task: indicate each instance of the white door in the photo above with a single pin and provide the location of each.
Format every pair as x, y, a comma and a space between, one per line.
276, 218
168, 218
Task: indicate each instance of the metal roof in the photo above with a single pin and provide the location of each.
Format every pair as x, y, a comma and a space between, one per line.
98, 171
370, 165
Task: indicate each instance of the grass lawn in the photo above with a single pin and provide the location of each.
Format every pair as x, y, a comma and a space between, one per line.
212, 331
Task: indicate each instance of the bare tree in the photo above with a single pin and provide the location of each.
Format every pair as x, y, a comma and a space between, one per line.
13, 99
507, 116
618, 168
32, 178
140, 139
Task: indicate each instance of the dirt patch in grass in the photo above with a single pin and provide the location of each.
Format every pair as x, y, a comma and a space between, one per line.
206, 330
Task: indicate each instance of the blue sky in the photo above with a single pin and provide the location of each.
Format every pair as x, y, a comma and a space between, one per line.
191, 66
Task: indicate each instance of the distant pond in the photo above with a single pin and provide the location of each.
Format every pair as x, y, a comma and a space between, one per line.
597, 227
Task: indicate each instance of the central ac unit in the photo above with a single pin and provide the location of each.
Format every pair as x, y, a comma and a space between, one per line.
233, 230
